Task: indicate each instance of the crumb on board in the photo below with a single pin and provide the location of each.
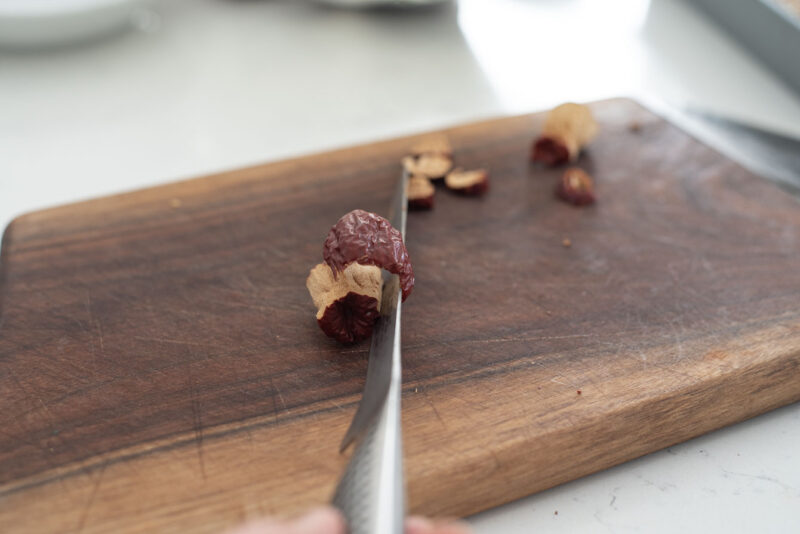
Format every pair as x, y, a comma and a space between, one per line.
635, 126
579, 392
567, 242
555, 513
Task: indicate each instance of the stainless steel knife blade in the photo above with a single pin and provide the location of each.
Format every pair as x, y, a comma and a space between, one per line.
383, 335
371, 493
769, 154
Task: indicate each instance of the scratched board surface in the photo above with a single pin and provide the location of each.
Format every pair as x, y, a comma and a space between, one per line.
161, 368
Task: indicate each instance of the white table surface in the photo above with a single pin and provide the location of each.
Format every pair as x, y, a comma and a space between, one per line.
211, 85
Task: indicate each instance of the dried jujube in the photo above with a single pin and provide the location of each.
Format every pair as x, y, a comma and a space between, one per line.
349, 304
435, 144
420, 192
473, 183
369, 239
550, 151
432, 165
567, 128
576, 187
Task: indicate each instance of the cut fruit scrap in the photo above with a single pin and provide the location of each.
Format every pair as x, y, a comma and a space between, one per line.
420, 192
369, 239
346, 289
567, 128
549, 151
436, 144
431, 165
349, 304
576, 187
475, 182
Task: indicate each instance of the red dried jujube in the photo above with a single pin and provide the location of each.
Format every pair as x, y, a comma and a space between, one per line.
576, 187
368, 239
550, 151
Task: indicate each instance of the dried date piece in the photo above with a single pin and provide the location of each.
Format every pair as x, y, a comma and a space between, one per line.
567, 128
549, 151
347, 305
576, 187
473, 183
437, 144
431, 165
366, 238
420, 192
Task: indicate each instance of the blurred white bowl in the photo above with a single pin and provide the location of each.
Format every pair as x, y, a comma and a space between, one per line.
27, 23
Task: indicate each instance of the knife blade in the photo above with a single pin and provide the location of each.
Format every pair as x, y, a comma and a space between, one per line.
371, 492
770, 154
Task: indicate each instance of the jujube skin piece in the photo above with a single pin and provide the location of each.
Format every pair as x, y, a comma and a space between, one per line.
420, 192
469, 183
347, 287
369, 239
566, 130
576, 187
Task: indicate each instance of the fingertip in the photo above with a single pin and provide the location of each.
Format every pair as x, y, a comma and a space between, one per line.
322, 520
339, 520
418, 525
257, 526
422, 525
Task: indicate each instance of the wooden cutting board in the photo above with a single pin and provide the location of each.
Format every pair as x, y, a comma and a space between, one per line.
161, 369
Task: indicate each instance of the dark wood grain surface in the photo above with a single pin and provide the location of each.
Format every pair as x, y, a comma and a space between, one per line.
161, 368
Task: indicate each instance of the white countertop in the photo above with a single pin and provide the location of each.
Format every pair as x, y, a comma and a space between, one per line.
213, 85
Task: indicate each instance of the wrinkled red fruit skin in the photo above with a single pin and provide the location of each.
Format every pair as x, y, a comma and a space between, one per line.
368, 239
549, 151
574, 196
350, 319
420, 204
